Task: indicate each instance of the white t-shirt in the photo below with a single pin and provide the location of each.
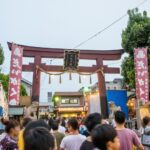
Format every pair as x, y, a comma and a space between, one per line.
72, 142
61, 129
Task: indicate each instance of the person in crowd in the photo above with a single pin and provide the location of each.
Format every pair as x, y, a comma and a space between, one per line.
146, 133
146, 122
83, 128
33, 124
9, 142
39, 138
50, 123
90, 122
105, 137
2, 127
61, 128
58, 135
63, 122
20, 139
74, 140
127, 137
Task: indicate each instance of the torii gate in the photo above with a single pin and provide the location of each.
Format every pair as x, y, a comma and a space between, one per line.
99, 55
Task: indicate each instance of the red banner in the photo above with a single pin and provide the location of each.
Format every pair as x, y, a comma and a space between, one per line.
15, 74
141, 64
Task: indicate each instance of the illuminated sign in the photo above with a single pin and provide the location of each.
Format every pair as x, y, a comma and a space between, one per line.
71, 109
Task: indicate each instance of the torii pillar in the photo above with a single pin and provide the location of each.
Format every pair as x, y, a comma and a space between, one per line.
102, 89
36, 79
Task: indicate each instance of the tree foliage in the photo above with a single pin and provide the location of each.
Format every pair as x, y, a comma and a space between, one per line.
5, 82
1, 55
136, 34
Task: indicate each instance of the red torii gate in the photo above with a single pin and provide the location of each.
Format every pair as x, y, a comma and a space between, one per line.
99, 55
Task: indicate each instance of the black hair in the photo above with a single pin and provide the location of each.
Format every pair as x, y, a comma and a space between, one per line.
146, 120
26, 121
120, 117
73, 123
10, 125
39, 138
63, 123
50, 123
34, 124
92, 120
55, 125
102, 134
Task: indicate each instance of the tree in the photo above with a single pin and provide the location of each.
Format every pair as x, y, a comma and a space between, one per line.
136, 34
1, 55
5, 82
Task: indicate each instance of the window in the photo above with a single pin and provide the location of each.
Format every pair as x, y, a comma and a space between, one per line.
69, 101
65, 101
73, 101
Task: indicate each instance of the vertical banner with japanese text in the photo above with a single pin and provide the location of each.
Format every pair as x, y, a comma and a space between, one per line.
141, 67
15, 74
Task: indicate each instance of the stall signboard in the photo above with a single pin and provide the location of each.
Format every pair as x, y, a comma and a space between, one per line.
15, 74
141, 67
16, 111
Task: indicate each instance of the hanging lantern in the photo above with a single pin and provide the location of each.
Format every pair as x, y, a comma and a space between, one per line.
80, 79
60, 80
90, 79
49, 79
70, 76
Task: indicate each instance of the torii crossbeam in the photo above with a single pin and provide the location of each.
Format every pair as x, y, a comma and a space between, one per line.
99, 55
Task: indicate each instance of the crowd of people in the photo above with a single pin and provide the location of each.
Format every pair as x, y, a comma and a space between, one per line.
90, 133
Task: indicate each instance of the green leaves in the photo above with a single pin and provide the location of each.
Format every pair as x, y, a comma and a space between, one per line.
1, 55
5, 82
136, 34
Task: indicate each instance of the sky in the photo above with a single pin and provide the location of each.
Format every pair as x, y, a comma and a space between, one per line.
64, 24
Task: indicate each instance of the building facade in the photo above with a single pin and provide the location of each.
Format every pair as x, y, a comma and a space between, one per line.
69, 104
27, 85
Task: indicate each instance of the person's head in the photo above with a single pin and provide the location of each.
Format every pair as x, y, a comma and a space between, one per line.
72, 125
105, 137
55, 125
39, 138
92, 120
34, 124
120, 117
146, 121
12, 128
4, 120
26, 121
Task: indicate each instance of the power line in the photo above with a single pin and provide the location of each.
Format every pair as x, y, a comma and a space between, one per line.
101, 31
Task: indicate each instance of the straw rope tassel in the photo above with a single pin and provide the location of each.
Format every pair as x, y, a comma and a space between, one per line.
90, 79
60, 80
49, 79
70, 76
80, 79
